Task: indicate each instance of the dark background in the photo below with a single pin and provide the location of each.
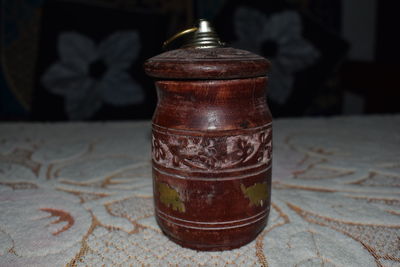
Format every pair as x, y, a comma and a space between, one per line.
356, 71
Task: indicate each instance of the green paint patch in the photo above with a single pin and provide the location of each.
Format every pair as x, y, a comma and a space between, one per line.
170, 197
257, 193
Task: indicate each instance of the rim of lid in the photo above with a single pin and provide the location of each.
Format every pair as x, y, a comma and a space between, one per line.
207, 63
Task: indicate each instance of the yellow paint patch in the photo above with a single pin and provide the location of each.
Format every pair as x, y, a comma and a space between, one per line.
257, 193
170, 197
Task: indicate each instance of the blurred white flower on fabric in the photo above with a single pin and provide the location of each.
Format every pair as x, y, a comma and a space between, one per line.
88, 74
279, 38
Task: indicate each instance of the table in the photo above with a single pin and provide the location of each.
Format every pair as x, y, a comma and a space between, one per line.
80, 194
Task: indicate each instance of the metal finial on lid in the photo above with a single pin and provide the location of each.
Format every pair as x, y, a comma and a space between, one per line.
204, 36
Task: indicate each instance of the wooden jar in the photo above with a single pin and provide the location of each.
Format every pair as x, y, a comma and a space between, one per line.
211, 146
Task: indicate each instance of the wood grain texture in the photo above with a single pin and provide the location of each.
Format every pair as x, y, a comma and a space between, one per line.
211, 146
212, 63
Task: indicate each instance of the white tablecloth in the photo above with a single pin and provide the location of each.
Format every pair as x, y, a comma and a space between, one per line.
80, 194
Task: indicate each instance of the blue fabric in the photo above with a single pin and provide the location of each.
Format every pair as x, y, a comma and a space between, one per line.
15, 15
9, 105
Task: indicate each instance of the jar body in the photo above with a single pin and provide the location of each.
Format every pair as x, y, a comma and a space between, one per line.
212, 155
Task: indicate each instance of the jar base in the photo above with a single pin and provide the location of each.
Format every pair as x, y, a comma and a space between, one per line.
199, 247
215, 247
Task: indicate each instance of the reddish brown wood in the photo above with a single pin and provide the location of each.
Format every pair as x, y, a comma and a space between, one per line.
211, 63
211, 147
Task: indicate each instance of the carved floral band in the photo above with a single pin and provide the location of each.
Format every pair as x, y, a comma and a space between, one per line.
214, 152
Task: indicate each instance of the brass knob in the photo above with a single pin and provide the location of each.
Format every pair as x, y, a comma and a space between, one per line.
204, 36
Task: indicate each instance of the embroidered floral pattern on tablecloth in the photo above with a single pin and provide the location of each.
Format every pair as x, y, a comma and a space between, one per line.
81, 195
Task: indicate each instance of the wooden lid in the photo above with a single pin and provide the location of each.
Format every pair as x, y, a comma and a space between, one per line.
206, 63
